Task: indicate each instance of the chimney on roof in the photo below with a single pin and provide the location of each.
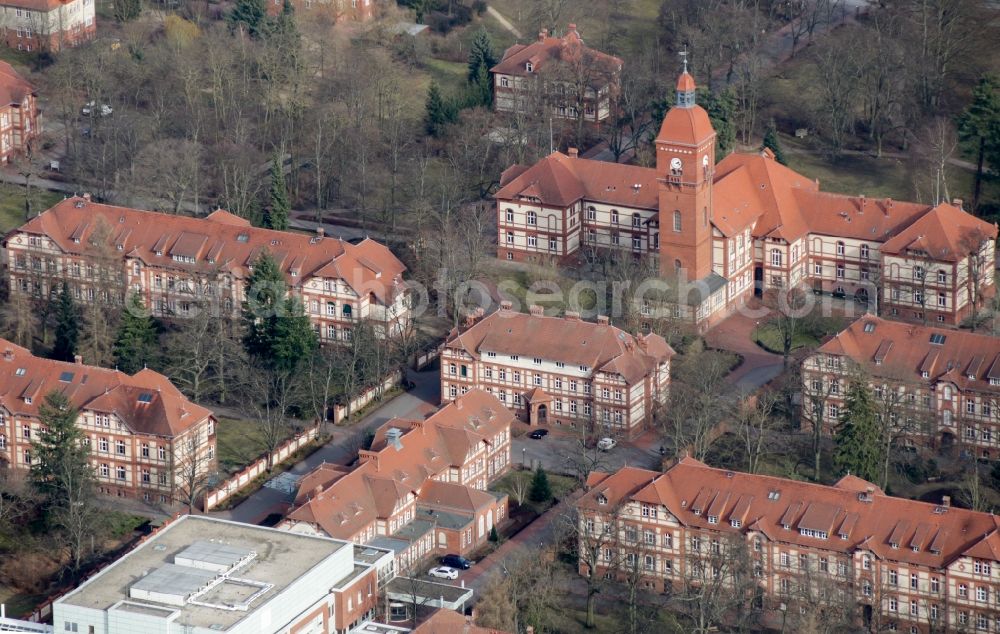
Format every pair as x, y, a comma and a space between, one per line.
945, 501
573, 152
603, 320
86, 196
320, 232
506, 305
572, 28
78, 359
957, 202
8, 355
317, 490
571, 316
536, 310
394, 436
544, 33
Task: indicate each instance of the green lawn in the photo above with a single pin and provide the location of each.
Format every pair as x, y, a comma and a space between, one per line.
239, 443
560, 485
768, 337
12, 204
450, 76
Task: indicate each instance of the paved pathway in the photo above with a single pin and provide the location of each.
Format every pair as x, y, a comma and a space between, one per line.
421, 400
530, 541
734, 334
504, 22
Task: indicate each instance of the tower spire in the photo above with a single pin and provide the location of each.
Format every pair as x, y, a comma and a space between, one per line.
684, 58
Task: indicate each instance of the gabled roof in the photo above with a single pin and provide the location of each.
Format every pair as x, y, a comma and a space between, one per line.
343, 504
905, 351
892, 528
147, 402
13, 87
546, 52
944, 233
220, 242
450, 622
559, 180
569, 340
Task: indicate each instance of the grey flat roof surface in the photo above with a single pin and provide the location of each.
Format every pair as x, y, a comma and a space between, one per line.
414, 530
282, 557
368, 554
214, 554
444, 519
429, 590
177, 581
388, 543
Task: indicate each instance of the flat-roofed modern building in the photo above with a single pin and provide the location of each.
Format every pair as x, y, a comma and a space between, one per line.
201, 575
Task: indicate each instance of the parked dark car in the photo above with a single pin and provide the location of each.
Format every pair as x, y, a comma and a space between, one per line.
456, 561
538, 434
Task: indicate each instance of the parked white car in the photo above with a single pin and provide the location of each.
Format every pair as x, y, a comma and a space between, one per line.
104, 110
606, 444
444, 572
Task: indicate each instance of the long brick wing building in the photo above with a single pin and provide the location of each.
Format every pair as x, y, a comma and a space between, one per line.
146, 439
421, 486
941, 387
560, 370
180, 264
720, 230
892, 564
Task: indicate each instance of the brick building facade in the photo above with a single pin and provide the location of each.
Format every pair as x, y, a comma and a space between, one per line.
421, 486
720, 230
559, 77
941, 387
146, 439
179, 265
797, 549
49, 25
560, 370
19, 125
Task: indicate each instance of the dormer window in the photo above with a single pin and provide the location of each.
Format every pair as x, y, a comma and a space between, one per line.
529, 67
27, 399
713, 519
601, 499
735, 523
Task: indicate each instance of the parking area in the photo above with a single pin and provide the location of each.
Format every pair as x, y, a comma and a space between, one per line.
560, 452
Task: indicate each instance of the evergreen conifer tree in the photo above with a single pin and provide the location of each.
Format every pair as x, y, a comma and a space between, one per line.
772, 143
540, 489
979, 125
250, 15
67, 325
858, 437
136, 344
276, 214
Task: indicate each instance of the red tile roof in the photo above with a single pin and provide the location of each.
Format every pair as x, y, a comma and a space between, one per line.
685, 82
567, 339
146, 402
559, 180
923, 534
945, 233
688, 126
549, 51
905, 351
343, 504
451, 622
13, 87
219, 242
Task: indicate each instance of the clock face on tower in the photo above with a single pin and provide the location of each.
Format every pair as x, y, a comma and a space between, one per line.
675, 164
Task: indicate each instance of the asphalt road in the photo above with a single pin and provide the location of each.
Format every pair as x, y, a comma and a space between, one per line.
415, 403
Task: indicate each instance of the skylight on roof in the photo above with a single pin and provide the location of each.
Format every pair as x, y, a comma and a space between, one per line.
19, 372
66, 377
870, 327
937, 339
243, 237
145, 397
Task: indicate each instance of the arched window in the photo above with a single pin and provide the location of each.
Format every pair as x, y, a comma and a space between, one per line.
840, 248
614, 216
636, 220
677, 221
677, 265
532, 218
510, 215
947, 393
591, 213
864, 250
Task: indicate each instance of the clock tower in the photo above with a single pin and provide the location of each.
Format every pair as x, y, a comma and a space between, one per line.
685, 163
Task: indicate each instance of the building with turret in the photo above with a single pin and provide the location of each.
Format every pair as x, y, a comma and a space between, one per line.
720, 231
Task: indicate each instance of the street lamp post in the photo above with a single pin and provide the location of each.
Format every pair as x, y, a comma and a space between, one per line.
523, 451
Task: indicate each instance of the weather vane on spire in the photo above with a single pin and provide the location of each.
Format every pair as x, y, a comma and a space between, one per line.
684, 58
